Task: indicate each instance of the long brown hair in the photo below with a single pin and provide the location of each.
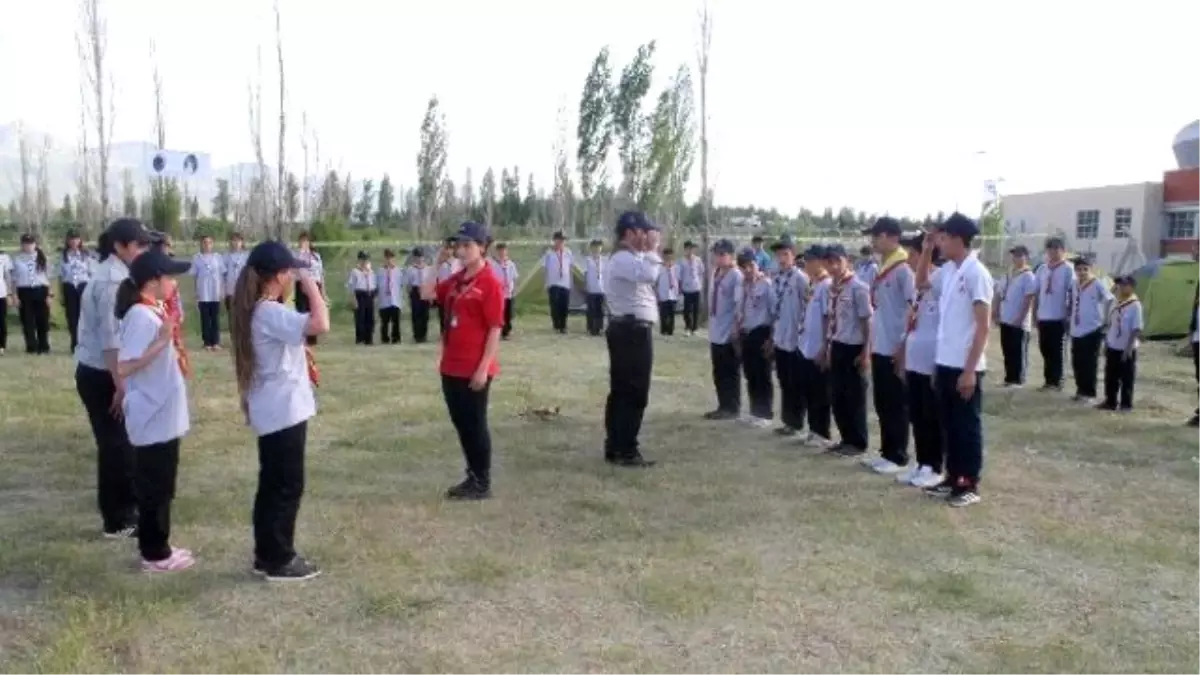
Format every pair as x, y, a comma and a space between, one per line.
246, 294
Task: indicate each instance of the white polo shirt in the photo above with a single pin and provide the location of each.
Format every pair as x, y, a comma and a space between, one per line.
281, 395
156, 405
963, 285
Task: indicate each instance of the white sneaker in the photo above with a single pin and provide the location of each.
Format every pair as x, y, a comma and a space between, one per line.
926, 478
761, 423
887, 467
868, 460
745, 419
805, 438
906, 478
817, 441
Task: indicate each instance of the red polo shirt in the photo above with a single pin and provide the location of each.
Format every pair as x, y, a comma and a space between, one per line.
473, 307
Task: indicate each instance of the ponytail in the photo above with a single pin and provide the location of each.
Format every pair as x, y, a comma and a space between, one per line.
128, 295
246, 294
40, 259
104, 246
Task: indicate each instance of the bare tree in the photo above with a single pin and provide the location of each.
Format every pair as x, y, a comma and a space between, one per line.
259, 188
702, 53
280, 225
160, 123
564, 190
83, 177
26, 216
42, 203
304, 181
91, 40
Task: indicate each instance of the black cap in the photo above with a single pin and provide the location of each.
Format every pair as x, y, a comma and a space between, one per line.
1126, 280
1055, 242
154, 264
834, 251
958, 225
756, 239
689, 244
595, 242
746, 256
271, 257
418, 252
473, 231
363, 255
1081, 261
1020, 249
128, 231
634, 220
558, 236
28, 238
885, 225
723, 246
914, 241
784, 243
815, 252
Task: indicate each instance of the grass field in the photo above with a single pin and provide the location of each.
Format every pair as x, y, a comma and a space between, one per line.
740, 552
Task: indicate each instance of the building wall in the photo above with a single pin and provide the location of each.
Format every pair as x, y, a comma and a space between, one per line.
1049, 213
1181, 186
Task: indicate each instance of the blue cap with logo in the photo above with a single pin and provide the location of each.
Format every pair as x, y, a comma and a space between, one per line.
723, 246
154, 264
784, 242
271, 257
635, 220
835, 251
746, 256
815, 252
473, 231
958, 225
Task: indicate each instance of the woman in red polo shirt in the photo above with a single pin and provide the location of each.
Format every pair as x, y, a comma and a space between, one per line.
473, 300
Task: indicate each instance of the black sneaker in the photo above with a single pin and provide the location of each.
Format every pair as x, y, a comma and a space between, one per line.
470, 489
963, 497
785, 431
1194, 422
1051, 387
259, 568
127, 532
298, 569
635, 462
1105, 406
847, 450
720, 415
940, 491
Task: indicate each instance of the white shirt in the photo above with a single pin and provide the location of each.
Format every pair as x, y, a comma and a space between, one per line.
209, 270
98, 328
281, 395
6, 268
962, 286
594, 274
557, 265
390, 282
316, 267
667, 287
630, 290
233, 264
506, 272
920, 348
156, 404
361, 280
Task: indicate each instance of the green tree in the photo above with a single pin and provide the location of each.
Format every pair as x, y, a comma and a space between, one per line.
529, 207
222, 201
594, 132
510, 197
366, 202
329, 199
669, 153
628, 122
387, 199
291, 198
166, 206
66, 213
487, 196
129, 204
431, 162
346, 199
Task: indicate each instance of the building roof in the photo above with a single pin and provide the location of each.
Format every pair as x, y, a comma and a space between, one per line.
1187, 146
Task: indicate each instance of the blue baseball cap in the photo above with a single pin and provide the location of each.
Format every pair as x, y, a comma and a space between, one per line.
746, 256
784, 242
154, 264
884, 225
635, 220
958, 225
472, 231
834, 251
815, 252
272, 257
723, 246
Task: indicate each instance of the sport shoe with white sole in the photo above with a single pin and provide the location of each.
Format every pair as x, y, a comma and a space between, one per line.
887, 467
906, 477
179, 560
961, 498
759, 422
926, 478
128, 532
298, 569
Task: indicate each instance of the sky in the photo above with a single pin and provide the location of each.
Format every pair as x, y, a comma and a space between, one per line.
898, 107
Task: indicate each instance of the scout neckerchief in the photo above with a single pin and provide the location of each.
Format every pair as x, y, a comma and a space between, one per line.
894, 260
1051, 269
160, 310
749, 296
671, 281
693, 273
387, 278
1119, 311
1079, 296
718, 277
1014, 273
599, 270
562, 264
783, 282
914, 317
839, 285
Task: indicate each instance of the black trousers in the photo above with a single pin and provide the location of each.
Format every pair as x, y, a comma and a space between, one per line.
1195, 365
156, 469
691, 311
364, 317
508, 316
210, 323
35, 318
441, 318
1119, 374
792, 408
630, 363
727, 371
420, 315
891, 407
816, 396
928, 435
3, 323
962, 420
756, 368
848, 389
302, 306
70, 298
115, 491
389, 325
1051, 338
595, 312
1014, 343
468, 412
666, 317
280, 487
1085, 362
560, 301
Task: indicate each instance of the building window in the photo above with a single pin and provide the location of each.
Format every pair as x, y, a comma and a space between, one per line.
1087, 225
1181, 225
1122, 223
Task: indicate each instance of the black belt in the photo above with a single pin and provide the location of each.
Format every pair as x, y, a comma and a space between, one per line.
629, 320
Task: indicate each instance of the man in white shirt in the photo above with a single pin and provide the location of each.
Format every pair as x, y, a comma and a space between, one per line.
557, 265
594, 278
6, 287
691, 283
962, 336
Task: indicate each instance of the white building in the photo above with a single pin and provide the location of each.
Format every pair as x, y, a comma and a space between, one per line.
1120, 226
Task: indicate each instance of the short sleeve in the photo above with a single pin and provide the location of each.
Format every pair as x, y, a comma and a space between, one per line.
513, 267
908, 283
981, 285
935, 283
195, 271
493, 304
1135, 317
1105, 294
862, 302
280, 323
138, 331
1031, 284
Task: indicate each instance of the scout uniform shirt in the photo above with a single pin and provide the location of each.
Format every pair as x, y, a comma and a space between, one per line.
361, 280
447, 269
866, 270
233, 264
557, 265
593, 274
962, 286
726, 299
390, 282
1055, 285
791, 287
506, 272
1124, 320
209, 272
847, 304
1014, 289
691, 274
666, 287
156, 404
758, 301
414, 276
75, 269
920, 349
630, 278
281, 393
1089, 307
25, 273
98, 326
316, 267
6, 269
893, 292
812, 330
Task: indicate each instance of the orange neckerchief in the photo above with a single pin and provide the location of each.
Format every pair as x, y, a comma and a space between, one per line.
1119, 311
310, 358
893, 260
1079, 296
164, 312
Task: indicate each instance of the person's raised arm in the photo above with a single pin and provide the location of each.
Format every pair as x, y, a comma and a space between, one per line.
318, 309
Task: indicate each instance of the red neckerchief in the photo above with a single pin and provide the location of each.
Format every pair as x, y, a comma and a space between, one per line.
1051, 269
163, 312
718, 277
1119, 311
1079, 297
